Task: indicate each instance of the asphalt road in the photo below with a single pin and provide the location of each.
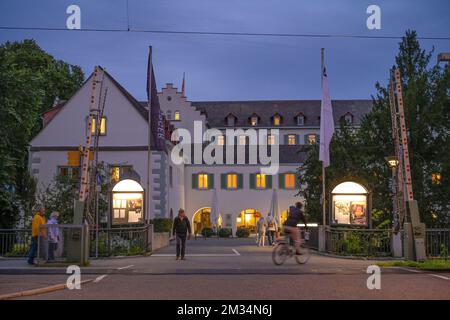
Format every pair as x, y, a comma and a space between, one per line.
227, 269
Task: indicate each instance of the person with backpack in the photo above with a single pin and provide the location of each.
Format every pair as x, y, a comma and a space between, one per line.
271, 229
182, 230
296, 215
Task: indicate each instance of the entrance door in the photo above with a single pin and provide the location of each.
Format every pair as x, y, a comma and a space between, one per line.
248, 218
202, 219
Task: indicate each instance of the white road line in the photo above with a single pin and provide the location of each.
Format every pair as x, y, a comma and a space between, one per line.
99, 278
439, 276
121, 268
235, 251
197, 255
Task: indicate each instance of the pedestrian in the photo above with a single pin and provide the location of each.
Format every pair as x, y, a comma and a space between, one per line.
37, 221
182, 231
261, 232
271, 229
53, 236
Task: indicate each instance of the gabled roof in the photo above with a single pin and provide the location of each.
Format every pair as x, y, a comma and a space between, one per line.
141, 109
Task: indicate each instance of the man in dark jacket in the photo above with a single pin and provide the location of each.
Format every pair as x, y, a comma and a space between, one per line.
296, 215
182, 230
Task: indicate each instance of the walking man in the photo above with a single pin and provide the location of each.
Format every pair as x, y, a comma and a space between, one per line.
182, 231
271, 229
38, 220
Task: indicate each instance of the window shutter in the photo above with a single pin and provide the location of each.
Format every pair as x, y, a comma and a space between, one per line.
223, 180
281, 181
306, 139
286, 139
211, 181
194, 181
240, 181
297, 181
269, 182
252, 180
317, 138
298, 139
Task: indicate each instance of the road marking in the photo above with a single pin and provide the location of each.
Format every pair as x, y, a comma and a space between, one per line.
439, 276
235, 251
121, 268
197, 255
99, 278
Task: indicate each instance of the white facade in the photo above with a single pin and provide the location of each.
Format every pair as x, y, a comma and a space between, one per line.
126, 141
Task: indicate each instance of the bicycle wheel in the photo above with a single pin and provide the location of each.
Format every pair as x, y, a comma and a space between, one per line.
304, 257
280, 253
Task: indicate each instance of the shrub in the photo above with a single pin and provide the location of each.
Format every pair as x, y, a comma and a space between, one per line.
162, 224
207, 232
243, 232
225, 233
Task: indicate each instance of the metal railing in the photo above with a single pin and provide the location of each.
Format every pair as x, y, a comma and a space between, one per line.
437, 242
119, 241
359, 242
15, 242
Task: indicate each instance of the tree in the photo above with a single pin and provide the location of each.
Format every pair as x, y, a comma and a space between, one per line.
30, 81
360, 154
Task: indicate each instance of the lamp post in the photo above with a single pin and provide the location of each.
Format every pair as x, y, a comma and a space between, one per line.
392, 162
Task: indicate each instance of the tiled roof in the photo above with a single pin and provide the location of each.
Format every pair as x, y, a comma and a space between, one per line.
217, 111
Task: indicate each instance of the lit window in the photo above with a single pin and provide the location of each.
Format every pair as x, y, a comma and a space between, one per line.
118, 172
311, 139
242, 140
270, 139
232, 181
300, 120
436, 178
276, 120
291, 139
289, 180
102, 126
260, 181
203, 181
177, 116
72, 172
220, 140
254, 121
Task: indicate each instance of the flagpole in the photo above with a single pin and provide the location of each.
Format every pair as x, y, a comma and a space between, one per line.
322, 56
149, 153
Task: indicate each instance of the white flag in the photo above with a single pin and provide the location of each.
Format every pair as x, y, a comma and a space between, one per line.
326, 122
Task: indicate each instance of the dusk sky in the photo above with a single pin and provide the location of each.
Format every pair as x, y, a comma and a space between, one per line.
230, 67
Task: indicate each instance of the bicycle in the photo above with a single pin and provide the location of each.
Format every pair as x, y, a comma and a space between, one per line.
285, 249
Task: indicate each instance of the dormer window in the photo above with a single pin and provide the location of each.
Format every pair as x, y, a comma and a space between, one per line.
169, 114
300, 120
177, 116
348, 117
231, 120
254, 120
276, 120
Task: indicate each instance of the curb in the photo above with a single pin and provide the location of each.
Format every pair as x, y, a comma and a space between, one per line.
34, 292
361, 258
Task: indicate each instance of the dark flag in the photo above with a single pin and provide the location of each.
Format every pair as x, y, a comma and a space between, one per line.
158, 139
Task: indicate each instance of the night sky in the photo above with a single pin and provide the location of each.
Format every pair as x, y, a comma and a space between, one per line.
229, 67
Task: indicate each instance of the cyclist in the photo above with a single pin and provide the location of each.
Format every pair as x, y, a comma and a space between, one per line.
296, 215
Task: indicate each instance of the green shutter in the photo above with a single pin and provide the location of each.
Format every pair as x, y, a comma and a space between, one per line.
317, 138
297, 181
194, 181
211, 181
298, 139
281, 181
269, 182
286, 139
252, 180
240, 181
223, 180
306, 139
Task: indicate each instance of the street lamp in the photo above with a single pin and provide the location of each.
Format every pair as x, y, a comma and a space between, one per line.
392, 162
